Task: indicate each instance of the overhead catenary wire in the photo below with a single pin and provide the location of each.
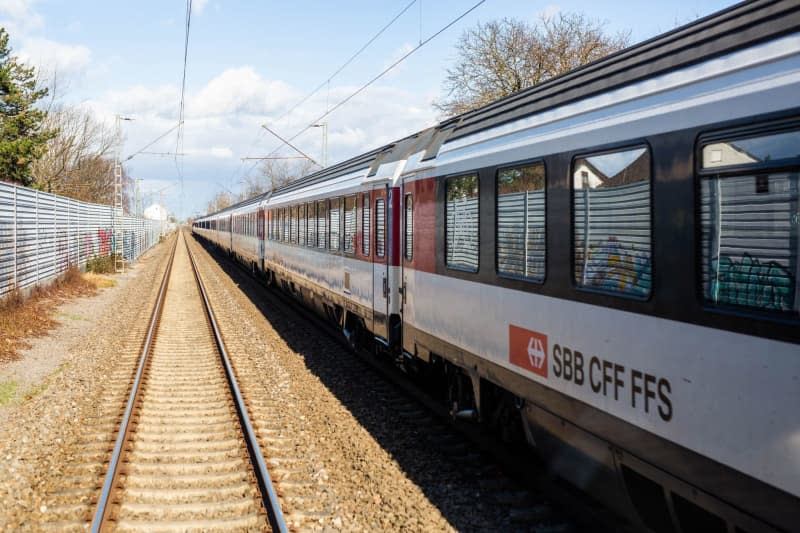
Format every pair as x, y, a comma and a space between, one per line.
148, 145
181, 111
296, 149
379, 75
346, 63
326, 83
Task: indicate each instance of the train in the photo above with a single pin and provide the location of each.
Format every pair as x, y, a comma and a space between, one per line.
604, 265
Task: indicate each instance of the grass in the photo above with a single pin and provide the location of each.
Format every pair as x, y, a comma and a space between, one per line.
99, 281
22, 318
8, 392
69, 316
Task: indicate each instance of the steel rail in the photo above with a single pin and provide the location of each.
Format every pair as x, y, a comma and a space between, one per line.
268, 495
596, 517
112, 473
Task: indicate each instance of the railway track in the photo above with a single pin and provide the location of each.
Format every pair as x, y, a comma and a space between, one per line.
524, 496
186, 457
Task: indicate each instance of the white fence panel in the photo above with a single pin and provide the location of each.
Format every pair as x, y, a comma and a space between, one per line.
42, 234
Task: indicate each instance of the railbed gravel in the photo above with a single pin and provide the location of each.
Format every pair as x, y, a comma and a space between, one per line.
345, 451
54, 445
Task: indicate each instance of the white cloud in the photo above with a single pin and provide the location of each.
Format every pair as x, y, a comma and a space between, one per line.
239, 91
19, 18
398, 53
221, 152
160, 101
199, 6
224, 116
47, 55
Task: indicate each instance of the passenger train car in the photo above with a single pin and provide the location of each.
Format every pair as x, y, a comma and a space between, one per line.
608, 260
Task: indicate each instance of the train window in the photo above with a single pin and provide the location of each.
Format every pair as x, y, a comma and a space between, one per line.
350, 224
336, 213
461, 222
293, 227
312, 224
380, 228
272, 224
285, 224
303, 229
322, 224
611, 222
749, 222
409, 234
365, 219
521, 222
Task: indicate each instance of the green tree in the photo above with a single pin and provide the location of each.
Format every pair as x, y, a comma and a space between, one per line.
22, 134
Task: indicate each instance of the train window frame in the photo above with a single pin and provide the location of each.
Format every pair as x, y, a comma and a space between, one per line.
354, 213
338, 244
302, 224
625, 146
293, 227
311, 221
322, 243
408, 251
476, 173
508, 275
366, 220
381, 226
786, 165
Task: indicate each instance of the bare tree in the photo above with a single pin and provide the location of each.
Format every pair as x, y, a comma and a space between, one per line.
501, 57
278, 172
220, 201
77, 158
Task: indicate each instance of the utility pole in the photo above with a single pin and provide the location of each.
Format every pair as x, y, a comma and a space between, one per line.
324, 126
117, 228
137, 202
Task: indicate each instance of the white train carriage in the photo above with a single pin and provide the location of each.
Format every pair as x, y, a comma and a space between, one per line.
318, 247
215, 228
613, 255
247, 232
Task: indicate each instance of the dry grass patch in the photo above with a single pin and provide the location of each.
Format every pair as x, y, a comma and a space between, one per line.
99, 281
25, 318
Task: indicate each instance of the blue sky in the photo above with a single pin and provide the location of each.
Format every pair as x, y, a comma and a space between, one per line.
249, 62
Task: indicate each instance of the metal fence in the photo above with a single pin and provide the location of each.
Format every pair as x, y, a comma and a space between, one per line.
42, 234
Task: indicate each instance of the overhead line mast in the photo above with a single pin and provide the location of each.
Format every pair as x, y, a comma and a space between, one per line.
327, 83
379, 75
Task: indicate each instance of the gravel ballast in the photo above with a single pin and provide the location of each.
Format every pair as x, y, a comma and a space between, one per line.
358, 456
48, 480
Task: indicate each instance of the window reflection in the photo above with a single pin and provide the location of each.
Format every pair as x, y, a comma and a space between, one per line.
461, 215
611, 222
521, 221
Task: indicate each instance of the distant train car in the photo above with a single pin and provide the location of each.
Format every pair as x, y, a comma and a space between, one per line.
607, 262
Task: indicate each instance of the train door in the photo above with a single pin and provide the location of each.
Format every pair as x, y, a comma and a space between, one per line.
380, 263
261, 236
406, 256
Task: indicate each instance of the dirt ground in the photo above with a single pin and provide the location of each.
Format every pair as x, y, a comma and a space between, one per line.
38, 332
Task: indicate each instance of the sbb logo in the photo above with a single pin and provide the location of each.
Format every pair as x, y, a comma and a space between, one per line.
527, 349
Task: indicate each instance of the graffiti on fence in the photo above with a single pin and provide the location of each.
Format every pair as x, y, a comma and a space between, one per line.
104, 236
750, 283
62, 251
615, 265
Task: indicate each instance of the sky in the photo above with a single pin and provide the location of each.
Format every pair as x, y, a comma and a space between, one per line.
249, 63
